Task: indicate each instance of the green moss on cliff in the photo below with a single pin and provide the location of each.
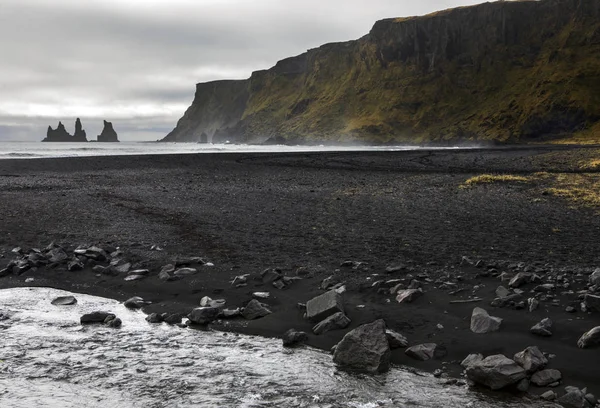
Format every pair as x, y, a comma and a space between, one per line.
506, 71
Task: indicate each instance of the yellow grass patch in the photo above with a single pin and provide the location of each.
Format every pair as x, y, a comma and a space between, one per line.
495, 178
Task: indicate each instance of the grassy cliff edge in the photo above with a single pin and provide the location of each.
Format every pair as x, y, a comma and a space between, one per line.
506, 72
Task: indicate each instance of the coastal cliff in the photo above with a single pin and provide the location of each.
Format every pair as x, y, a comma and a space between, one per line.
503, 72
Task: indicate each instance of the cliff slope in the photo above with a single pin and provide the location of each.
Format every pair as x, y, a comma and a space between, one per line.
504, 71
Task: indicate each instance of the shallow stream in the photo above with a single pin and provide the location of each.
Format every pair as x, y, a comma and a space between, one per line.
47, 359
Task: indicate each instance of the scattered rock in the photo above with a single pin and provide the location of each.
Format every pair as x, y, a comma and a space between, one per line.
135, 302
426, 351
261, 295
533, 304
592, 302
254, 310
174, 318
122, 269
543, 328
546, 377
208, 302
548, 396
574, 398
230, 313
590, 339
181, 272
154, 318
471, 359
595, 278
293, 338
336, 321
495, 372
396, 340
531, 359
502, 292
74, 265
95, 317
364, 349
482, 322
520, 279
64, 301
115, 323
408, 295
323, 306
204, 315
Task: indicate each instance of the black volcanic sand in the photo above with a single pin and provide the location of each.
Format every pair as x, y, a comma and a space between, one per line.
249, 212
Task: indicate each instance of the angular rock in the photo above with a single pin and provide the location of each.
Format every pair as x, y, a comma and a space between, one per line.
502, 292
531, 359
208, 302
523, 385
255, 310
96, 317
270, 275
408, 295
135, 302
520, 279
482, 322
323, 306
592, 302
57, 255
364, 349
546, 377
595, 278
495, 372
396, 340
64, 301
543, 328
426, 351
533, 304
75, 265
204, 315
336, 321
573, 398
548, 396
471, 359
293, 338
590, 339
123, 268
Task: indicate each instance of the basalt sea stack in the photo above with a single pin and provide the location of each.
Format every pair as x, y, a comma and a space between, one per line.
108, 133
501, 72
60, 134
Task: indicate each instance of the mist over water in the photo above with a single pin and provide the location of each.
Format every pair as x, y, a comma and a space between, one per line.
48, 359
32, 150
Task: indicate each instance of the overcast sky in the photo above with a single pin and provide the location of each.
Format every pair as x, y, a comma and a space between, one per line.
136, 62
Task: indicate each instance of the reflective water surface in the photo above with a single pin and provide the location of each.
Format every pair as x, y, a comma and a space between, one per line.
47, 359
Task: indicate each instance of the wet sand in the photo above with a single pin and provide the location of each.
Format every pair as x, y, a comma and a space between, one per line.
249, 212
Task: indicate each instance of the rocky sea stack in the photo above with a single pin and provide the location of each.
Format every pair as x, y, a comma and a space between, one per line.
108, 133
498, 72
60, 134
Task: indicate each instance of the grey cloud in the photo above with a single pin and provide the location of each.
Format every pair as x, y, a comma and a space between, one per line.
110, 57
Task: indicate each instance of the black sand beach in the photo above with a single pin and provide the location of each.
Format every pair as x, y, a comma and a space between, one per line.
248, 212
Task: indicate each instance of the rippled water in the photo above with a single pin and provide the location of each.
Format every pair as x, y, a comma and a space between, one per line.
47, 359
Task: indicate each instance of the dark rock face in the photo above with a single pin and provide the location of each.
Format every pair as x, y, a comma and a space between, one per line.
60, 134
108, 133
364, 349
495, 372
396, 74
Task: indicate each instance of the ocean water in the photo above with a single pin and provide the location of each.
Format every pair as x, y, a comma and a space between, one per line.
32, 150
47, 359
